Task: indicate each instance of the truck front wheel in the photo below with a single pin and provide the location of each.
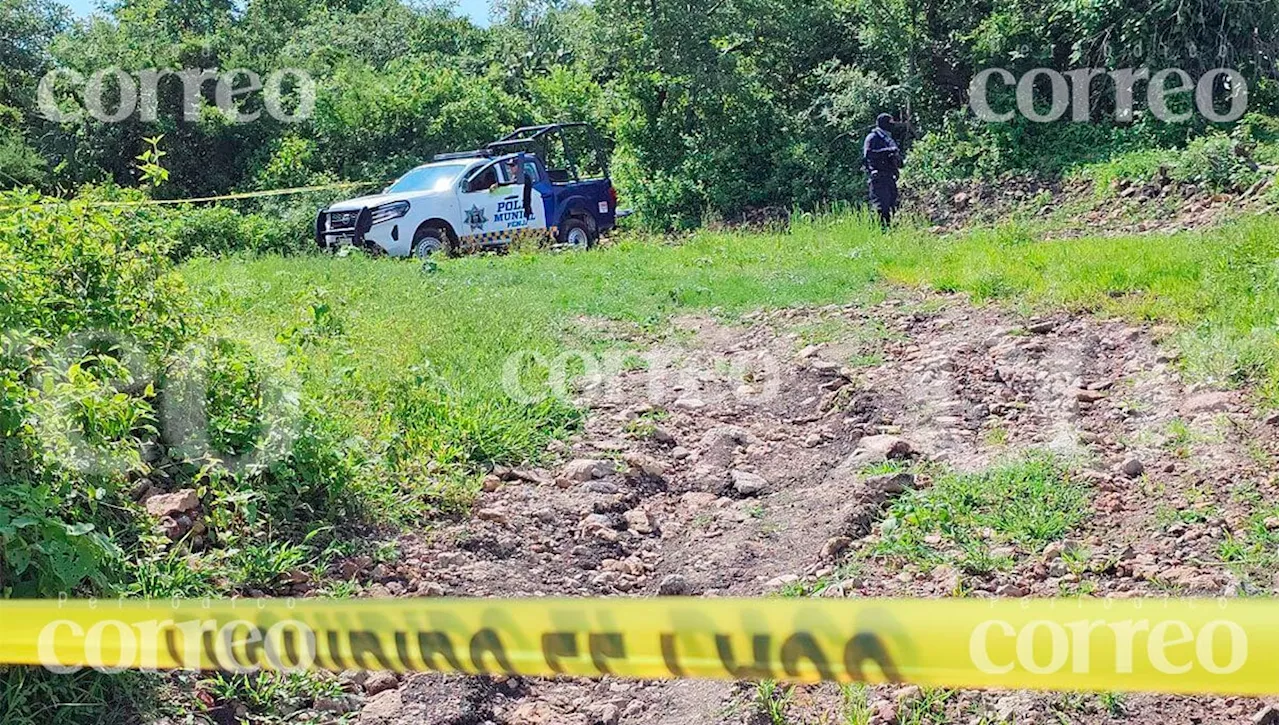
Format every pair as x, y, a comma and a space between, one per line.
428, 241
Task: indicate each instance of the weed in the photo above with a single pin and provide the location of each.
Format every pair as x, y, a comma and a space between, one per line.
1112, 703
1076, 559
35, 696
885, 467
265, 692
1026, 502
855, 708
928, 708
1250, 552
262, 565
1167, 514
385, 552
646, 424
772, 701
996, 435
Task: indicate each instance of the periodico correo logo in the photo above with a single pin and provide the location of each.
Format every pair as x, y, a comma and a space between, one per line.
1170, 646
1074, 89
112, 95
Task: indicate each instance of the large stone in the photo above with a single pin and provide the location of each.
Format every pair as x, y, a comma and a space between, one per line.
382, 709
1209, 402
696, 500
662, 435
1132, 467
648, 465
1088, 396
638, 521
747, 483
1268, 715
689, 402
172, 504
877, 449
380, 681
887, 484
720, 443
535, 476
673, 585
585, 469
835, 546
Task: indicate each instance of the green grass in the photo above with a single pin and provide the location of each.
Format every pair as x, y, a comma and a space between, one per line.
262, 693
1025, 503
1251, 550
411, 364
408, 365
35, 696
927, 709
855, 705
772, 700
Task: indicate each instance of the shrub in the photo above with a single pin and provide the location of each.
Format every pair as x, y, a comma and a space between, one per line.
103, 358
85, 312
1217, 161
216, 230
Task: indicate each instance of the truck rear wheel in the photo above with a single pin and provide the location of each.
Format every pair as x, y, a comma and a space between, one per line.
575, 234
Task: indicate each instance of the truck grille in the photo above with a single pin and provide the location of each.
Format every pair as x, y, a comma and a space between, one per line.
341, 220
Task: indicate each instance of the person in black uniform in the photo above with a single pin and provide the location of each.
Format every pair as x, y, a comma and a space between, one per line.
882, 158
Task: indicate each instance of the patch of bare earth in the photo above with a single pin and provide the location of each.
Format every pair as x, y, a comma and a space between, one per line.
743, 461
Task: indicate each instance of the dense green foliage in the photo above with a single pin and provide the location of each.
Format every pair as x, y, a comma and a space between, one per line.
715, 109
65, 273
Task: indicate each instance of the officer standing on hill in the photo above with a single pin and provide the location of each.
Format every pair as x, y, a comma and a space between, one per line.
882, 158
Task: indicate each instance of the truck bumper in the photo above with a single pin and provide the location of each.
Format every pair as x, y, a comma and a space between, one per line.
335, 229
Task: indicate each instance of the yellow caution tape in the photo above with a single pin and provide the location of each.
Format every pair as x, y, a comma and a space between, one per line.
224, 197
1165, 645
242, 195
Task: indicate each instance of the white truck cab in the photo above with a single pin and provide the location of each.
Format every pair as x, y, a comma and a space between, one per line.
458, 203
475, 200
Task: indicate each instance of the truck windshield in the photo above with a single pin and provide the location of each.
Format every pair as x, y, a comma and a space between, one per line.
427, 178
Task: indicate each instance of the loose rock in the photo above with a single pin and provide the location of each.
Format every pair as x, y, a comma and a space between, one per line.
879, 448
382, 709
1210, 402
647, 465
835, 546
746, 483
1132, 467
173, 504
638, 521
1010, 590
673, 585
585, 469
380, 682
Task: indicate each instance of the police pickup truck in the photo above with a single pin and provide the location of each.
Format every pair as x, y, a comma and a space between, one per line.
481, 199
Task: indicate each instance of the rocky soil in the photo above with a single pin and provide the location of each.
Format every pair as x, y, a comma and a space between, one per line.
750, 459
1159, 205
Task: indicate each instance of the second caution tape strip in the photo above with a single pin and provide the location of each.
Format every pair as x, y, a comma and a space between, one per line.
197, 200
1163, 645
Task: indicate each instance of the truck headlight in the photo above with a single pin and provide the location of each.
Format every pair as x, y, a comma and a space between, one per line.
387, 212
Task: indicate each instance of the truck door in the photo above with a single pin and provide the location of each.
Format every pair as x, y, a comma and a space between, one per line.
501, 203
